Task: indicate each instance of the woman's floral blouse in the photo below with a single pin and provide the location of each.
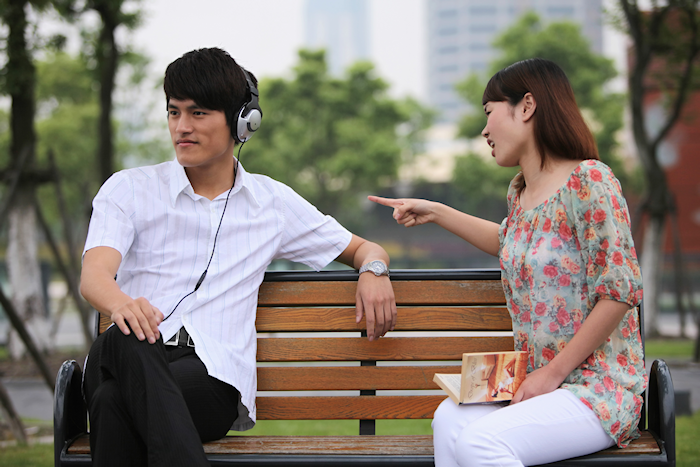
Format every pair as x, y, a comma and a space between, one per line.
558, 260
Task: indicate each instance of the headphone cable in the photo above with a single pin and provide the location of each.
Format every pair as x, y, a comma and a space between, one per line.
216, 236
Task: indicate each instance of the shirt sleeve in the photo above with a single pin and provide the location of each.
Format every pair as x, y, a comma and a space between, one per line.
310, 237
603, 230
112, 214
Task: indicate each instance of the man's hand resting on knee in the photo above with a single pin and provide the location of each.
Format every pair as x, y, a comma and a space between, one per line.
99, 288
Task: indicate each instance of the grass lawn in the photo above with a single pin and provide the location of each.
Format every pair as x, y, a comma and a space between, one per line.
669, 349
38, 455
687, 436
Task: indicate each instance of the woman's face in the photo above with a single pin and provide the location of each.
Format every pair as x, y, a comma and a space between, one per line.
506, 132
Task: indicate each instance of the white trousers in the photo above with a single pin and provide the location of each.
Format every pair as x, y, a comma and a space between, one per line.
547, 428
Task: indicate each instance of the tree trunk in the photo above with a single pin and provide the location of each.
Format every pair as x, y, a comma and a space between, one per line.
7, 409
22, 262
25, 275
107, 57
652, 265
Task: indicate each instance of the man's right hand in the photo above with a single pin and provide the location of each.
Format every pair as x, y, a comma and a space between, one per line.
142, 317
100, 289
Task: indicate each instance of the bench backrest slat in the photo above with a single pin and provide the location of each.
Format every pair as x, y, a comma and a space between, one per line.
346, 378
447, 292
412, 318
347, 407
298, 349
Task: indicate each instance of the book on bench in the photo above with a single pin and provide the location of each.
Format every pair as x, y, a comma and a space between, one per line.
486, 377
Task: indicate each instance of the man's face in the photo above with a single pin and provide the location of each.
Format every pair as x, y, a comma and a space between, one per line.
200, 136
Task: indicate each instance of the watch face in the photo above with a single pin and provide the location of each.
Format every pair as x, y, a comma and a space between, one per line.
377, 267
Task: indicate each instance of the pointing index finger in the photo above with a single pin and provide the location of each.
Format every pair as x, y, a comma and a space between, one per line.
391, 202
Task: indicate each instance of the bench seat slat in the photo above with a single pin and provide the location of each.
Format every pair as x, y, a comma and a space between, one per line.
350, 378
387, 348
347, 407
363, 445
319, 293
418, 318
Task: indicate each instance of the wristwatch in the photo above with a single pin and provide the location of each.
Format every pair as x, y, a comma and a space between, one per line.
377, 267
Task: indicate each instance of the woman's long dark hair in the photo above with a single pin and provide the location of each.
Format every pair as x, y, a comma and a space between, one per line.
559, 127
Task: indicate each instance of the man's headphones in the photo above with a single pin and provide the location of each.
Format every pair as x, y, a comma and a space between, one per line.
249, 117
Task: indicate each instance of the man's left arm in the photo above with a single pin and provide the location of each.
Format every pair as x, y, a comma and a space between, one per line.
375, 296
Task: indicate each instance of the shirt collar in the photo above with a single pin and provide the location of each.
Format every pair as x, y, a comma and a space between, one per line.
179, 183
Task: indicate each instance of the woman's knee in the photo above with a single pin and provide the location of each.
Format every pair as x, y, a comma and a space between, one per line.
475, 447
446, 417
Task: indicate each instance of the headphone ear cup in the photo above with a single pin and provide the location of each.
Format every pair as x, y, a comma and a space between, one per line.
247, 124
250, 116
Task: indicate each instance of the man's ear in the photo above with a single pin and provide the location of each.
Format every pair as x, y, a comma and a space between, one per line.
529, 106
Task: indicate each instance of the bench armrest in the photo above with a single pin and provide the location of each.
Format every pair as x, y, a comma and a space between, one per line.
69, 412
662, 407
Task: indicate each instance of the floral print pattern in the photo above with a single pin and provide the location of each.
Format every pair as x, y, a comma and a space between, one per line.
558, 260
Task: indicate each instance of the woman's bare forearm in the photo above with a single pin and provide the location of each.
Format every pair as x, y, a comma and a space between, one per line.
481, 233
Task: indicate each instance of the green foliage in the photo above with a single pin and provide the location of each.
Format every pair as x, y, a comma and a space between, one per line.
483, 184
329, 138
67, 126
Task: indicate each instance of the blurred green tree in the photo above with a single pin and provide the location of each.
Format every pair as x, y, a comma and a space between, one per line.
588, 72
21, 175
100, 46
332, 138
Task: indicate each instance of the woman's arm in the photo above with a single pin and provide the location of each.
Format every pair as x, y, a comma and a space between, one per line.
479, 232
600, 324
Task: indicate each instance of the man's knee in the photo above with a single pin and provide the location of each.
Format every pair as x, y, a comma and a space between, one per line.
115, 342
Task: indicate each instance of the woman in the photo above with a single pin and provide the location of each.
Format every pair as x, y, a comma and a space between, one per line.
571, 280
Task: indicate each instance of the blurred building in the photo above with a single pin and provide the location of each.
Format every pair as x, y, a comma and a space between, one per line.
340, 27
460, 34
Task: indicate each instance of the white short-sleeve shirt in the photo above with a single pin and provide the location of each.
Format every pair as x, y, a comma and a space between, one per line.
165, 234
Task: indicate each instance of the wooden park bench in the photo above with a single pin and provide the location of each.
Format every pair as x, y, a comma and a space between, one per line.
309, 317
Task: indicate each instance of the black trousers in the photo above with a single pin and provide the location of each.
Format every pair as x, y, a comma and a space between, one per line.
152, 404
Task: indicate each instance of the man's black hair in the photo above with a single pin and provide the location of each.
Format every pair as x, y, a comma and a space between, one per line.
211, 78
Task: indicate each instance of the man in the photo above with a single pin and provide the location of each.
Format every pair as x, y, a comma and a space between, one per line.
175, 254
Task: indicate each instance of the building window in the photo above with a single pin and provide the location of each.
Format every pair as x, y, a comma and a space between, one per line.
447, 32
477, 66
448, 68
482, 28
560, 11
477, 46
482, 10
448, 50
447, 13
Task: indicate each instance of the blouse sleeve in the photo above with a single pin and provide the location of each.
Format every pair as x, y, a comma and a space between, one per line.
503, 229
603, 230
